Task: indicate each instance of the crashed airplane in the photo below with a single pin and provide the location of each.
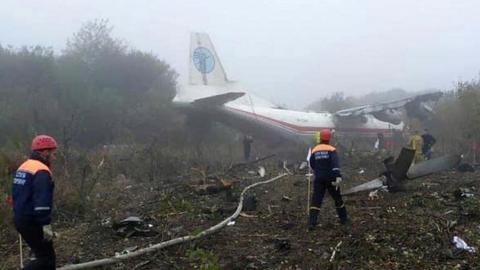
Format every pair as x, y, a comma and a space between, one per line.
211, 94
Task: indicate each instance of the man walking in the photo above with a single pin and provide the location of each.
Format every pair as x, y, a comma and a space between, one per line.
32, 193
324, 162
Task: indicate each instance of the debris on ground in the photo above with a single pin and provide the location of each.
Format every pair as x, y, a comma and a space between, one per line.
261, 171
282, 244
461, 244
412, 229
250, 203
462, 193
133, 226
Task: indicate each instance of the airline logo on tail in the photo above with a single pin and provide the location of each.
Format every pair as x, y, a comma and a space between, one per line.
203, 60
205, 66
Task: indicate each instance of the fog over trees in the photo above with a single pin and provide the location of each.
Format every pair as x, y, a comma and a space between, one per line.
94, 92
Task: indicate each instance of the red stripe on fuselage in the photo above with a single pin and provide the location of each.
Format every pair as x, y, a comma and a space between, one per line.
309, 129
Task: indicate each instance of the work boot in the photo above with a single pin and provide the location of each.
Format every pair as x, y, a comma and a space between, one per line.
313, 219
342, 215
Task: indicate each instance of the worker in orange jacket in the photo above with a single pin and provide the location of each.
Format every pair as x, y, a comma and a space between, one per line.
324, 162
32, 193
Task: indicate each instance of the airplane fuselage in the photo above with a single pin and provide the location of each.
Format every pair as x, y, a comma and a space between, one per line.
260, 118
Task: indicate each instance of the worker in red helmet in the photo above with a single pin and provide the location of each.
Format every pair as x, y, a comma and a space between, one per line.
325, 164
32, 193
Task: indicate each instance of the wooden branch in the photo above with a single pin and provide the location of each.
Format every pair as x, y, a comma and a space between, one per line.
174, 241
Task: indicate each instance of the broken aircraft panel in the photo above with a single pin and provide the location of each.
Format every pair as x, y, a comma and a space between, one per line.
373, 184
392, 112
400, 170
434, 165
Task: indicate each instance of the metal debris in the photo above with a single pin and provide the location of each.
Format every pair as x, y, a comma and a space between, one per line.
303, 165
401, 169
133, 226
373, 195
374, 184
106, 222
261, 171
433, 165
461, 244
462, 193
126, 251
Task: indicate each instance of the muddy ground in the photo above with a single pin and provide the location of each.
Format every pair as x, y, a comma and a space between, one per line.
405, 230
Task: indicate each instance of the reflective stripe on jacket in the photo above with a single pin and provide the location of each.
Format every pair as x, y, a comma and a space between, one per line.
32, 192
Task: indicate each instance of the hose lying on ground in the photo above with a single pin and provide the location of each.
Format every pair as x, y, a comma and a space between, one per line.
171, 242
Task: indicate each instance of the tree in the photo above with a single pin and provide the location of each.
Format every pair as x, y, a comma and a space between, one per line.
111, 89
26, 84
93, 41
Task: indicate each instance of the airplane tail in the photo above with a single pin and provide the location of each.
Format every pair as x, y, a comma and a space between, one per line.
205, 67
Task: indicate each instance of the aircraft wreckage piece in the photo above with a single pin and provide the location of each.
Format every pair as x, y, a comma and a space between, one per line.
374, 184
174, 241
399, 171
434, 165
395, 173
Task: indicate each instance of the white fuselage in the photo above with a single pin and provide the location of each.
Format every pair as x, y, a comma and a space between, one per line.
254, 115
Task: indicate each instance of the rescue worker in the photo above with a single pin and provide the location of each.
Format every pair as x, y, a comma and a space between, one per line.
324, 162
32, 193
380, 142
428, 142
317, 137
247, 147
416, 143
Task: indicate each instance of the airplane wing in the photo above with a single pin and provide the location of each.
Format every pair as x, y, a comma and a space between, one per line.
217, 100
416, 106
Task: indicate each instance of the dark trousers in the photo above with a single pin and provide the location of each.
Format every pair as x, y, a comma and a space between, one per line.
427, 153
319, 188
41, 247
246, 152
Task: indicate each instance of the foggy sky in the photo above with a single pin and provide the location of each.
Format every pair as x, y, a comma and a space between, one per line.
291, 52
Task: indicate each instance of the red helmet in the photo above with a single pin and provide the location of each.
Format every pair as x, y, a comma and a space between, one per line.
325, 134
42, 142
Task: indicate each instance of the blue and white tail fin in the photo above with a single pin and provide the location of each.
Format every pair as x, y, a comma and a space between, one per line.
204, 67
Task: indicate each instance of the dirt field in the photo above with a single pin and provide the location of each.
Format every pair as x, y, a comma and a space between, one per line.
406, 230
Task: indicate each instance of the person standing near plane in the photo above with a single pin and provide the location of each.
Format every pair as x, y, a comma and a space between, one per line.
428, 142
416, 143
32, 193
380, 142
325, 164
247, 147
